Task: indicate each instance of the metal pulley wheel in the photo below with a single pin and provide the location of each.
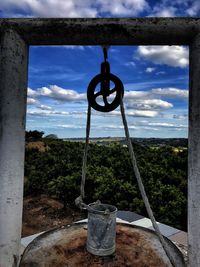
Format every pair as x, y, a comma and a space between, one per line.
104, 79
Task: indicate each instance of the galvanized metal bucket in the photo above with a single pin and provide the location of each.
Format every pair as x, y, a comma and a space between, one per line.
101, 229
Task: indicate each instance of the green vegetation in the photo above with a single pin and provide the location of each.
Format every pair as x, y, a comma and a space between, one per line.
110, 178
33, 135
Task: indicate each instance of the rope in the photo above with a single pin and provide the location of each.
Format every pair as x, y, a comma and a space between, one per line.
141, 186
79, 201
105, 51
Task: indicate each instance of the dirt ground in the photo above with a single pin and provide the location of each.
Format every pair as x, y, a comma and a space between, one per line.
42, 213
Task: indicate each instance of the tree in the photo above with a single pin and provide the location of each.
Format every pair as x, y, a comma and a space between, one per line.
110, 177
33, 135
65, 188
51, 136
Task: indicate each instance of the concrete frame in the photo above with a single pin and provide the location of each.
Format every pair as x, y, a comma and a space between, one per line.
15, 37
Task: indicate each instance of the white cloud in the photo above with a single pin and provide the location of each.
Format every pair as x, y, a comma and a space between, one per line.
72, 47
98, 8
164, 11
49, 8
114, 50
142, 99
142, 113
122, 7
135, 94
194, 9
60, 94
130, 64
150, 128
175, 56
55, 92
32, 101
149, 104
170, 92
80, 47
114, 127
44, 110
160, 72
175, 8
70, 126
136, 113
150, 69
39, 113
180, 116
167, 125
138, 103
72, 8
32, 93
44, 107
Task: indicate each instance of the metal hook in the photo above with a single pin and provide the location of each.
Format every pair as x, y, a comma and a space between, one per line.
105, 52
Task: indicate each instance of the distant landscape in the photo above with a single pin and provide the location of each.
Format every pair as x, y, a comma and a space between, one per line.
176, 142
53, 172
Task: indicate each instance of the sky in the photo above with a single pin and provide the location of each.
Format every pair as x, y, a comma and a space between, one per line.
155, 78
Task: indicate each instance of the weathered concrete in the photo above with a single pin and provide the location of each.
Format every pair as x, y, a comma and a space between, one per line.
13, 87
136, 31
194, 156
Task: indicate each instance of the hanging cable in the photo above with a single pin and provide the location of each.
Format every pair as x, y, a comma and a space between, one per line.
141, 186
105, 51
79, 201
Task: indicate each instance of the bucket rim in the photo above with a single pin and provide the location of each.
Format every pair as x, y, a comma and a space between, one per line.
112, 209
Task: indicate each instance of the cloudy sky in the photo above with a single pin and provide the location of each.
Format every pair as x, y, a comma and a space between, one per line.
155, 78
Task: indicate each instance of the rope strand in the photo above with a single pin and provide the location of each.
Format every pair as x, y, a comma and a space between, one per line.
85, 152
79, 201
141, 186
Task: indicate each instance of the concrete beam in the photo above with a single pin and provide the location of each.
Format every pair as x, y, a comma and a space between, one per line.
13, 87
194, 156
137, 31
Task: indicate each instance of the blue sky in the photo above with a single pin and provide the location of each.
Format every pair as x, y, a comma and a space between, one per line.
155, 78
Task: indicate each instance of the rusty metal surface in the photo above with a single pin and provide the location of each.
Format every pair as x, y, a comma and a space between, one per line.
66, 247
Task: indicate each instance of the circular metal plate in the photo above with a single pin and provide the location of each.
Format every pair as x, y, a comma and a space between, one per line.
66, 246
92, 96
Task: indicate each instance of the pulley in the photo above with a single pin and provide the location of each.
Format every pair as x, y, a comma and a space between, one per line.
104, 79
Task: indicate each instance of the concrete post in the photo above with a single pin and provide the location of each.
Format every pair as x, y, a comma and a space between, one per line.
194, 156
13, 87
